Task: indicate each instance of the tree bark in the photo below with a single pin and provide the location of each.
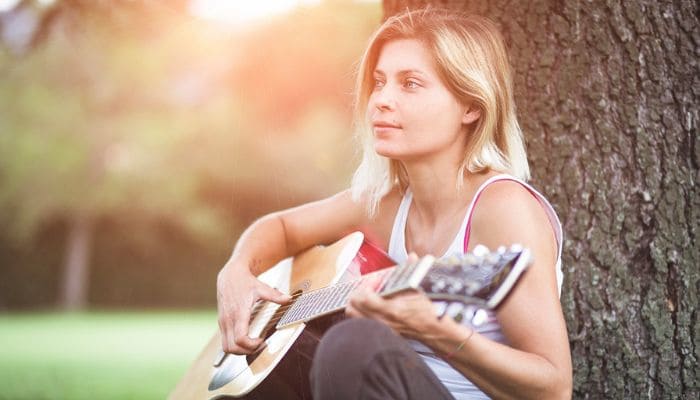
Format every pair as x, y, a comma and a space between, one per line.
607, 96
75, 279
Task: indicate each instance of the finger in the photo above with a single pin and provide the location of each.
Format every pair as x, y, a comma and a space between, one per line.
366, 301
228, 344
353, 312
241, 338
222, 335
373, 301
412, 258
268, 293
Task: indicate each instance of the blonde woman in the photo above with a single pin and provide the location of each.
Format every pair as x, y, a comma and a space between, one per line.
443, 169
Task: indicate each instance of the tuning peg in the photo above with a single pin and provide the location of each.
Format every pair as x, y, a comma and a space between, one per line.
516, 248
470, 259
472, 286
492, 258
438, 286
480, 317
454, 309
453, 261
480, 250
440, 307
455, 287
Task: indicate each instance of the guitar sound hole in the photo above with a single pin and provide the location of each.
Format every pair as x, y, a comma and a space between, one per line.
269, 328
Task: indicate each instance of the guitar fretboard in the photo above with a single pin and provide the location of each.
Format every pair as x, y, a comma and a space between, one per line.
326, 300
334, 298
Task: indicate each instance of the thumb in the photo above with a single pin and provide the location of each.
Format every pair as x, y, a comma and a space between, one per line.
412, 258
270, 294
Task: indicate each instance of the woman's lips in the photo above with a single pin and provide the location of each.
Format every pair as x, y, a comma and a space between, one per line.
380, 127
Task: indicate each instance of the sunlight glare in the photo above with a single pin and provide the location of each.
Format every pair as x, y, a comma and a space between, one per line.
242, 12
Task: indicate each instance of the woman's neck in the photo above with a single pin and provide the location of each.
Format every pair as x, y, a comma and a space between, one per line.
436, 192
438, 206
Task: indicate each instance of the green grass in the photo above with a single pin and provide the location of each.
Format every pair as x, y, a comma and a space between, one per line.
98, 355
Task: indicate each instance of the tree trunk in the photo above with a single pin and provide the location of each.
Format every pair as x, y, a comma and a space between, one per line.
607, 95
77, 261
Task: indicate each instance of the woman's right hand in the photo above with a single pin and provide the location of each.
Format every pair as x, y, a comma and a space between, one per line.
237, 290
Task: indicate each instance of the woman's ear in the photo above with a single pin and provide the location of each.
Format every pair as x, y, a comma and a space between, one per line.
471, 114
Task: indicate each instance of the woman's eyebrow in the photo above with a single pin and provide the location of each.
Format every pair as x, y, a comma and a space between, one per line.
402, 72
410, 72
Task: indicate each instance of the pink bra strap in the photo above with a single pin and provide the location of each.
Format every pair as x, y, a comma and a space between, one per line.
468, 230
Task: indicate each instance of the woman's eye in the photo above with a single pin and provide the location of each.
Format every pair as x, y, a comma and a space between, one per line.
378, 84
411, 84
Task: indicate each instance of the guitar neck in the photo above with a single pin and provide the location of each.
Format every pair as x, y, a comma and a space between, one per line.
334, 298
325, 301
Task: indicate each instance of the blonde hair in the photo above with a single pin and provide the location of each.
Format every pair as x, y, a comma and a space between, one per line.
471, 60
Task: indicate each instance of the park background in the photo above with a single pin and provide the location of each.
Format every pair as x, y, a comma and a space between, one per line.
138, 138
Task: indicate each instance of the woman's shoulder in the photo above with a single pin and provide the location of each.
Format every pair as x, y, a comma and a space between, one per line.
509, 197
510, 210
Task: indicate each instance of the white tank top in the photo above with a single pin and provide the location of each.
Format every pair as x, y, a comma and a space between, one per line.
456, 383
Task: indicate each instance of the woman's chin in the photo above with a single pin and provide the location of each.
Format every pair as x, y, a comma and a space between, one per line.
385, 150
394, 152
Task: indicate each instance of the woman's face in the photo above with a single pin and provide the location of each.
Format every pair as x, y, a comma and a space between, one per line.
412, 113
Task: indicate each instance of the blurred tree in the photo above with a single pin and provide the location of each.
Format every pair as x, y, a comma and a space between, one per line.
133, 111
607, 96
90, 129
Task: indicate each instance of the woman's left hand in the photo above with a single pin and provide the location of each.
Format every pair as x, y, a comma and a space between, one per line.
410, 314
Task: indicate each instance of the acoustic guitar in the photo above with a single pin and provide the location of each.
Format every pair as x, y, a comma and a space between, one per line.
321, 280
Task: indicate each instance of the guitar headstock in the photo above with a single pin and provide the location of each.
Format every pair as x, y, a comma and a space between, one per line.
480, 277
461, 285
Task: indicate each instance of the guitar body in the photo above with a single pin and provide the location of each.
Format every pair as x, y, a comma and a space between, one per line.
237, 375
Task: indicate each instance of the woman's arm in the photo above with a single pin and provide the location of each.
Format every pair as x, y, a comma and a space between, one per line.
538, 362
538, 365
267, 241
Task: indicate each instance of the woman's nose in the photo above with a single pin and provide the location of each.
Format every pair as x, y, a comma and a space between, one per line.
383, 99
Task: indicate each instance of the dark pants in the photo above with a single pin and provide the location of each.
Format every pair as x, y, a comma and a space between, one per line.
355, 359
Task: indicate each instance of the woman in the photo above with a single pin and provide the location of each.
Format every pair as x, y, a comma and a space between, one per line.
435, 110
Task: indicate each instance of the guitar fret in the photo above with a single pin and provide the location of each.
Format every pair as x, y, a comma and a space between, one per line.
325, 301
304, 307
293, 313
353, 285
316, 303
342, 295
311, 304
331, 297
337, 298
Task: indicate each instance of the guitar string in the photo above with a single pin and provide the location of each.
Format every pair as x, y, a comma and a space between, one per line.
279, 311
282, 309
276, 317
262, 304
